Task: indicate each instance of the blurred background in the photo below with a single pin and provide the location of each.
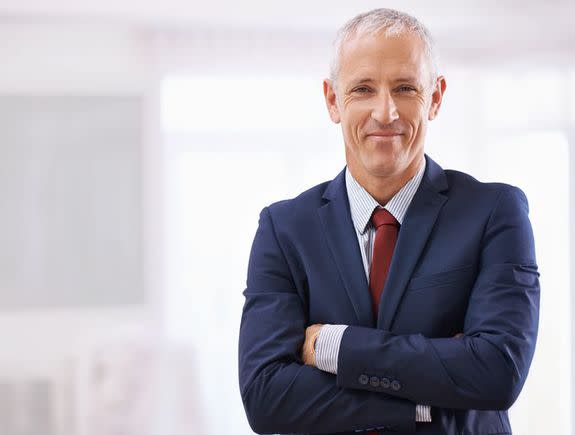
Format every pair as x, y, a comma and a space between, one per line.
123, 122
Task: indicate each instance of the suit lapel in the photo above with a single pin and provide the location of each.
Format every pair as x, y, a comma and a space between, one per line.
415, 230
342, 241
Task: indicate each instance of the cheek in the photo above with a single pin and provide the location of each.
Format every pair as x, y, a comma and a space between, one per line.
354, 120
414, 114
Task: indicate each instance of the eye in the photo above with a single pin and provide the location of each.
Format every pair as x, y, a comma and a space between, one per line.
406, 89
361, 89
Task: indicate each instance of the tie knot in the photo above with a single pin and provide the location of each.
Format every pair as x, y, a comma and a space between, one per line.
381, 217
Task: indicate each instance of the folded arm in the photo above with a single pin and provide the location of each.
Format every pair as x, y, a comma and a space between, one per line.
487, 366
280, 393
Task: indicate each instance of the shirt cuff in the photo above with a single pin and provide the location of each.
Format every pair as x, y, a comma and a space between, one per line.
327, 347
423, 413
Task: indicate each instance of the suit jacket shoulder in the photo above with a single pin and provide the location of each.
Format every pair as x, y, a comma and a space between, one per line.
462, 188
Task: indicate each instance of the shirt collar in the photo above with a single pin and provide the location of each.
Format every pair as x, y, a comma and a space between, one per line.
362, 203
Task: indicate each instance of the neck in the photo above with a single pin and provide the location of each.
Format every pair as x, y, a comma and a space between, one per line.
383, 188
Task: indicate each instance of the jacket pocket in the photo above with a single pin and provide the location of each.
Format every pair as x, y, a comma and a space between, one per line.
460, 274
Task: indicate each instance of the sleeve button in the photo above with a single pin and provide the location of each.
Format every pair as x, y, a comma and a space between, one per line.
374, 381
395, 386
385, 382
363, 379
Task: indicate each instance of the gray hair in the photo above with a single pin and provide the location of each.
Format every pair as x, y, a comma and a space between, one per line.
390, 21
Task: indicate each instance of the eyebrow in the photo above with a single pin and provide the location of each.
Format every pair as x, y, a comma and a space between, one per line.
408, 79
361, 81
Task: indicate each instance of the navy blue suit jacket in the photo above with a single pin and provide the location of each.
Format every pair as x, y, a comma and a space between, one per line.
464, 262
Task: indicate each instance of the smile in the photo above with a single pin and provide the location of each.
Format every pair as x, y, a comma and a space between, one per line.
385, 134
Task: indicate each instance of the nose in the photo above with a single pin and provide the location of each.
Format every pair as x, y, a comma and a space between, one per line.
384, 110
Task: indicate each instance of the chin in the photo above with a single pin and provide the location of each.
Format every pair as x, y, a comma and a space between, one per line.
383, 169
382, 161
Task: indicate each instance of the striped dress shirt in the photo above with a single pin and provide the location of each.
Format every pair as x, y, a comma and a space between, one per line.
361, 205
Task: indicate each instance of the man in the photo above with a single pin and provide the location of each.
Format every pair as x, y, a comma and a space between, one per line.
398, 296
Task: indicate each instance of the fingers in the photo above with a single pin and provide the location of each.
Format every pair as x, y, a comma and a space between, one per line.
305, 349
308, 351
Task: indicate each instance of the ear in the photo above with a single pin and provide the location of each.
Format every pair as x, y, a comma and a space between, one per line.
331, 100
437, 97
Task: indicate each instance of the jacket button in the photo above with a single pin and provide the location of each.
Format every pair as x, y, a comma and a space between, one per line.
363, 379
384, 382
395, 386
374, 381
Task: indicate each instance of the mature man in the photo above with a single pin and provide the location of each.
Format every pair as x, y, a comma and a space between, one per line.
398, 296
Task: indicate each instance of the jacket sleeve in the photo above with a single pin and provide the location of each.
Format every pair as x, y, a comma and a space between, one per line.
486, 368
280, 394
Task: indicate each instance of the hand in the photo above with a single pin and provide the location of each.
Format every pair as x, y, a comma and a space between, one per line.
308, 348
458, 335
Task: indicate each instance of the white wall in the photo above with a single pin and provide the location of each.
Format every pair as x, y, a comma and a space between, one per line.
63, 58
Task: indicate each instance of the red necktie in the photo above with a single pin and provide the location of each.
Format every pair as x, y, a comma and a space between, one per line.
386, 228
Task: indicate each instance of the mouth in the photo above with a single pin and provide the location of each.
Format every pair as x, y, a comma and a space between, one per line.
383, 137
384, 134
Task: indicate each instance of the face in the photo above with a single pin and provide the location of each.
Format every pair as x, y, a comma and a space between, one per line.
384, 100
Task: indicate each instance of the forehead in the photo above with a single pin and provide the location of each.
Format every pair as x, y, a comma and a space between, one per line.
379, 54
